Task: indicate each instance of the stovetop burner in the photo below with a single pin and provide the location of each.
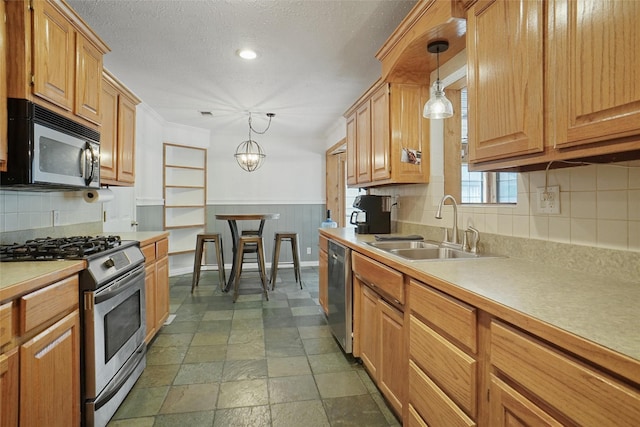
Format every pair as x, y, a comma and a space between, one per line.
48, 248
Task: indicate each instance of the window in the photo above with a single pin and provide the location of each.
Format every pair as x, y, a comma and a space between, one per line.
483, 187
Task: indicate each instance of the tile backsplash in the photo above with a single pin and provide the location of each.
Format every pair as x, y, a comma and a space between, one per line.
599, 207
24, 210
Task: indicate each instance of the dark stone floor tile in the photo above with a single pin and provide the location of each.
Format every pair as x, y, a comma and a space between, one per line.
301, 302
293, 388
252, 416
191, 419
236, 370
279, 322
276, 312
199, 373
356, 411
315, 320
214, 326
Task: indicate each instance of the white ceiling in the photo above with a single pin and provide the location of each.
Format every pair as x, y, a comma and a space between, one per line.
316, 57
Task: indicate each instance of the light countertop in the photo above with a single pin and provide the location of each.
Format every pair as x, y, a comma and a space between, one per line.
599, 309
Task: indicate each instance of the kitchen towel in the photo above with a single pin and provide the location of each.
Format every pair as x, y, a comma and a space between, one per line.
102, 195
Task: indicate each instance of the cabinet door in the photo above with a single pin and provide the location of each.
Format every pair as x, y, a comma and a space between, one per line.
380, 146
88, 80
126, 140
9, 388
3, 90
595, 83
369, 331
150, 300
109, 132
50, 376
323, 281
363, 143
352, 153
53, 55
505, 79
393, 361
162, 291
509, 408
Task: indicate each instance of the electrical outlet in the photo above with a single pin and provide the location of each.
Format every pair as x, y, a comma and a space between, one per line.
308, 251
548, 201
56, 218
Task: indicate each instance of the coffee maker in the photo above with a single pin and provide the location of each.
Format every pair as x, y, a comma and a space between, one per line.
377, 214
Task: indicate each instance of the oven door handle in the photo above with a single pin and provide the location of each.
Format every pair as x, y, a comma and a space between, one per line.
121, 377
121, 286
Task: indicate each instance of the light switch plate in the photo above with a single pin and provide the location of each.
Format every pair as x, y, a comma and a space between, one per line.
548, 202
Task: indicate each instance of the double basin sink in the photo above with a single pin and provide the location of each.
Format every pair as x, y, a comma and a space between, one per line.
425, 250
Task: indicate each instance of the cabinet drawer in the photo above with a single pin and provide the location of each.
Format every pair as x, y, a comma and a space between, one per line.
39, 307
380, 276
432, 404
162, 248
149, 252
453, 317
415, 420
6, 323
587, 396
452, 369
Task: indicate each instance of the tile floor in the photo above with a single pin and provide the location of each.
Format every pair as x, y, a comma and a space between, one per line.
252, 363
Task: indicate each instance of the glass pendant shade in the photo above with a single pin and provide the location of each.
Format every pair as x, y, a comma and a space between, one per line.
249, 155
438, 106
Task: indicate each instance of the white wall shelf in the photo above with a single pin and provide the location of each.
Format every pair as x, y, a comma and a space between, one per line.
185, 190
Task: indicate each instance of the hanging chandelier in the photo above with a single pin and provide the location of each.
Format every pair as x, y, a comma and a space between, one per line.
249, 155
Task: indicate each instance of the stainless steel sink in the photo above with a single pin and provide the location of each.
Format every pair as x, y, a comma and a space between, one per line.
426, 250
433, 254
404, 244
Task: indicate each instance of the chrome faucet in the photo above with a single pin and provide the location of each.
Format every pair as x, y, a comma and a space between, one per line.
454, 236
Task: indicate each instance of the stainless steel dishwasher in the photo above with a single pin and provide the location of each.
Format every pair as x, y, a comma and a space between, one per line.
340, 295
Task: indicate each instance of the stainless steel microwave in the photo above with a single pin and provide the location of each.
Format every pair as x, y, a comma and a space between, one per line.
48, 151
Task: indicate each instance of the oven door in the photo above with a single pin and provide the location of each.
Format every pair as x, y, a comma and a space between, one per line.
114, 321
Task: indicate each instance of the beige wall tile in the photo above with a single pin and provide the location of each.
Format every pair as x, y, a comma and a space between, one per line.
634, 235
521, 226
539, 227
612, 204
583, 204
613, 234
634, 205
583, 178
612, 177
583, 231
560, 229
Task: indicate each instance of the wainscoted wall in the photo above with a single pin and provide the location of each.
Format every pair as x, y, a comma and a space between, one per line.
305, 219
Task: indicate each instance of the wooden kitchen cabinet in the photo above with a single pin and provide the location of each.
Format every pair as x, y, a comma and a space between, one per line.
381, 126
3, 90
118, 133
40, 357
379, 327
56, 59
534, 378
323, 274
563, 88
443, 378
156, 256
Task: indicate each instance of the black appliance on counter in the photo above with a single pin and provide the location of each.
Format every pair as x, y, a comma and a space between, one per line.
377, 214
112, 310
47, 151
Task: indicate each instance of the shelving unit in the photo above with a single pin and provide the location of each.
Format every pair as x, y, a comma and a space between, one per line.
185, 191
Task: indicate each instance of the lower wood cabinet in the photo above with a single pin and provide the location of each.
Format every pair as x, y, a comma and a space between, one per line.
566, 391
40, 357
379, 334
156, 285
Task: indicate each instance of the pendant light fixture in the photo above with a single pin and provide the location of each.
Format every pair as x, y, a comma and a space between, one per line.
438, 106
249, 154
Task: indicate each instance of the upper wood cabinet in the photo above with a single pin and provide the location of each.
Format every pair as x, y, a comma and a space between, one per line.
505, 87
552, 81
118, 133
56, 59
3, 89
385, 129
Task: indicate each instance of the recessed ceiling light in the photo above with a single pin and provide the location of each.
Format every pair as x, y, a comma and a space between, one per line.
247, 53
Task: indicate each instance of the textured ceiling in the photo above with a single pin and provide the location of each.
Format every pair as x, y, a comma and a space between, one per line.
316, 57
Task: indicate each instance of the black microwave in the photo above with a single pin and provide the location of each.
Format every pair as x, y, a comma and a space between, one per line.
47, 151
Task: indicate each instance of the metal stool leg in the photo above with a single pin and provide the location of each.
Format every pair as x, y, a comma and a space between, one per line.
220, 258
274, 264
197, 263
262, 268
239, 257
295, 248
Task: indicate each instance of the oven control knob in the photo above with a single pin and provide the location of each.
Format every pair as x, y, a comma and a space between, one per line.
109, 263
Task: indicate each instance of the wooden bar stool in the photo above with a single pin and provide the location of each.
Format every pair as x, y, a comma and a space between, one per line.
250, 244
295, 249
201, 239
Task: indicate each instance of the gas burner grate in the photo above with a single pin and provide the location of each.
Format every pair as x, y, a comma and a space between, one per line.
48, 248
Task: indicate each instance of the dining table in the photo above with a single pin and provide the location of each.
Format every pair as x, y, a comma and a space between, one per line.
233, 219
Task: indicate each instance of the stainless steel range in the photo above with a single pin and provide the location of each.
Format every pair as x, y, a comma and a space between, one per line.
112, 299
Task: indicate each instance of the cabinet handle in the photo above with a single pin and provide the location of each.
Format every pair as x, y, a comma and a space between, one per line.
4, 364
